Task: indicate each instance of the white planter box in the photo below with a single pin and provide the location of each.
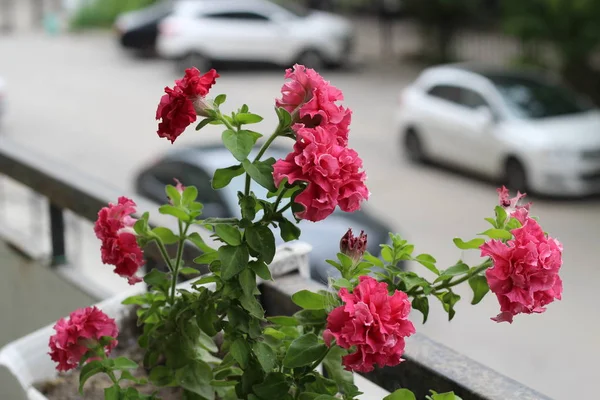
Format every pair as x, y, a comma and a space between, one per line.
26, 361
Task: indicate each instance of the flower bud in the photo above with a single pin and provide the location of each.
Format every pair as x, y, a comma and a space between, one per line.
354, 247
201, 105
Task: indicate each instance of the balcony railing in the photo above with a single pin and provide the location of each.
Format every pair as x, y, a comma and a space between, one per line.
41, 196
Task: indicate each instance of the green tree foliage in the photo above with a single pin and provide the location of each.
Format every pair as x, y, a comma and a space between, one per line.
439, 21
102, 13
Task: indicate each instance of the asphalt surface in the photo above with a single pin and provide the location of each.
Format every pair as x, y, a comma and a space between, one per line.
83, 101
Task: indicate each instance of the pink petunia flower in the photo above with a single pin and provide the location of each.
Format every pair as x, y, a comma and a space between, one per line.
373, 321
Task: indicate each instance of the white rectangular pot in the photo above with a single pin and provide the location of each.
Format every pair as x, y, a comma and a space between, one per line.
25, 361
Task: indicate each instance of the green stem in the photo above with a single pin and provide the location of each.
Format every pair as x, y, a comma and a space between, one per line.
112, 377
261, 152
279, 198
288, 205
182, 238
448, 284
320, 360
164, 253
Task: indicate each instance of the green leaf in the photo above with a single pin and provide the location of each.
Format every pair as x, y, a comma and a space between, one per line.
223, 176
458, 269
165, 235
260, 238
285, 119
449, 299
195, 238
248, 118
500, 216
471, 244
207, 258
196, 378
261, 172
188, 271
272, 387
203, 123
373, 260
289, 231
265, 355
238, 143
112, 393
261, 269
334, 367
309, 300
498, 234
122, 363
178, 213
240, 350
421, 304
342, 283
480, 288
90, 369
284, 321
234, 259
247, 281
190, 193
428, 262
248, 207
252, 305
304, 351
220, 99
161, 376
401, 394
275, 333
157, 279
229, 233
173, 194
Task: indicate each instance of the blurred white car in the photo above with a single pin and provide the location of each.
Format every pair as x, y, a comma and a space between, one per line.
197, 32
525, 130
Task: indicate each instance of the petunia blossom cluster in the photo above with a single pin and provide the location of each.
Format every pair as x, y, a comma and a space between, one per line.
321, 156
114, 227
525, 272
372, 321
75, 336
179, 107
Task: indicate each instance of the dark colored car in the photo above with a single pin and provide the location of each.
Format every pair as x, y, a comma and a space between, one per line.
195, 166
138, 30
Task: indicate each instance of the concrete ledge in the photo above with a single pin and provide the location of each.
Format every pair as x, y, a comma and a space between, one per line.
428, 365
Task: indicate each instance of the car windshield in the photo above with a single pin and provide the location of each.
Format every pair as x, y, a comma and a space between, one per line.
535, 99
293, 7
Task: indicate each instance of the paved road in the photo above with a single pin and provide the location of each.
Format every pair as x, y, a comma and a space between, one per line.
81, 100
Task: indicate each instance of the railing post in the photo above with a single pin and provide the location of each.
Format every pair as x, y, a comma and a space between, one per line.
57, 232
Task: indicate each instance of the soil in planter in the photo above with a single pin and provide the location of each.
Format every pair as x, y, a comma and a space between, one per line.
66, 385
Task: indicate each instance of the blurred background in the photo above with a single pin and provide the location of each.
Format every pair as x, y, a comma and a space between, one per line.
450, 98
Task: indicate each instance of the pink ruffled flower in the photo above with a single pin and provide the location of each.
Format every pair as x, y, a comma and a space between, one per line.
176, 113
333, 173
524, 275
179, 107
114, 227
373, 321
68, 344
312, 100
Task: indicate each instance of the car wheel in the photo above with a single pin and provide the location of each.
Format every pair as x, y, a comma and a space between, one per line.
311, 59
515, 176
197, 60
413, 147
